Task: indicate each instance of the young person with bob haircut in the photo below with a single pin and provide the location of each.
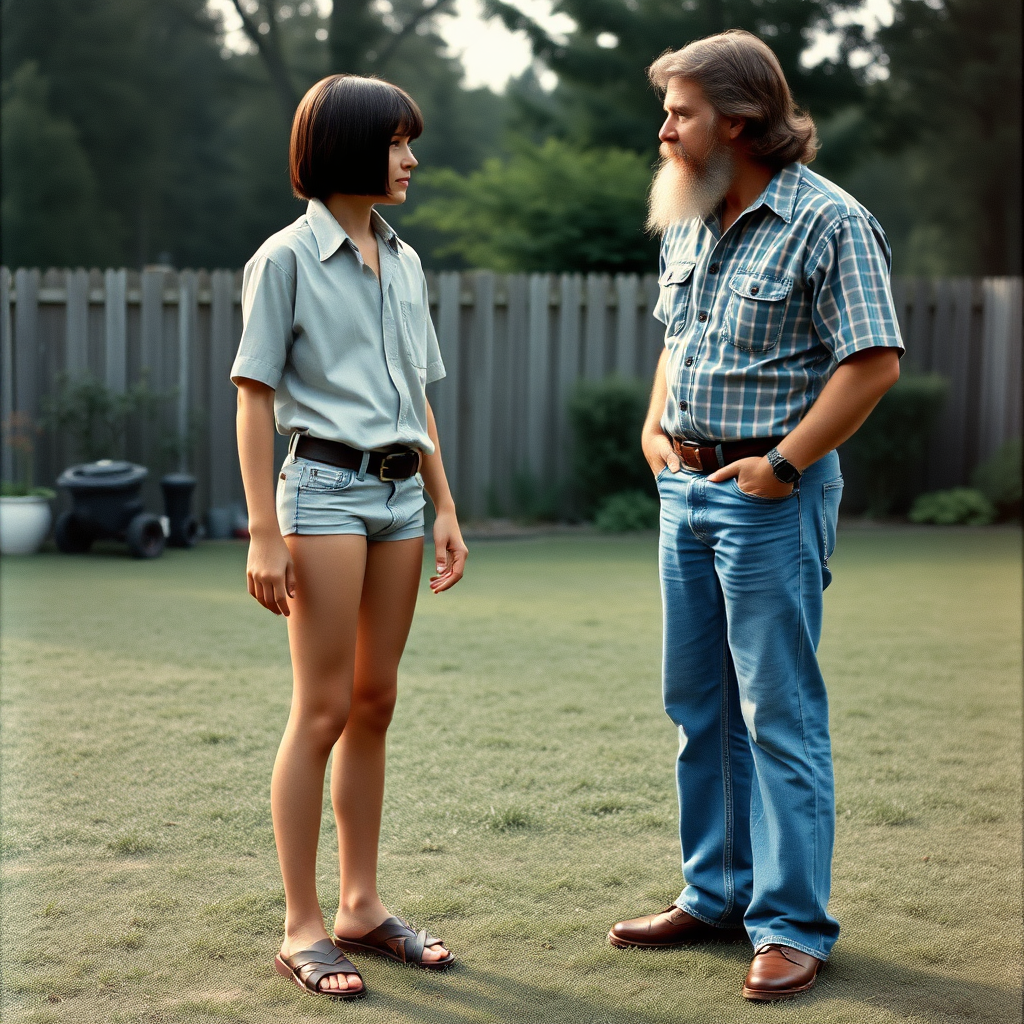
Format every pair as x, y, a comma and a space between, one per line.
337, 348
780, 338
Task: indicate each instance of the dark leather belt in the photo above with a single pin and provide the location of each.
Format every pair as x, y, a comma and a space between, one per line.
707, 458
397, 465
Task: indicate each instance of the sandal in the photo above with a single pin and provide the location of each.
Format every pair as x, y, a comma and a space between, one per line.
399, 941
309, 967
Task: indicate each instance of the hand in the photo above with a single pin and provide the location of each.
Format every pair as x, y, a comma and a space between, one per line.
450, 552
658, 451
270, 572
753, 476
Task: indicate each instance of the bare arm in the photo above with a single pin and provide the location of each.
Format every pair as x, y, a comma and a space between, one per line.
269, 571
853, 390
450, 551
657, 447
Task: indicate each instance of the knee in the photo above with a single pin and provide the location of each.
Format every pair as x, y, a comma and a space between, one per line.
374, 705
322, 726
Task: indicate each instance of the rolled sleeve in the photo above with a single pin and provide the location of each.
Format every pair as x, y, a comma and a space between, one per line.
435, 365
268, 317
853, 308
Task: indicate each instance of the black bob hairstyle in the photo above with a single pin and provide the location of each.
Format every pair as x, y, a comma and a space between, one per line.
341, 136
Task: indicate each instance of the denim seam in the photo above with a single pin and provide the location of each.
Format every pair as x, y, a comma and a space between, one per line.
700, 917
784, 940
295, 526
819, 915
730, 824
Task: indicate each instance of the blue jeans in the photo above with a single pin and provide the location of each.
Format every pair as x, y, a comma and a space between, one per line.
742, 580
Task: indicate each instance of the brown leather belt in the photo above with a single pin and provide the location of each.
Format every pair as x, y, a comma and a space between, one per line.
397, 465
708, 458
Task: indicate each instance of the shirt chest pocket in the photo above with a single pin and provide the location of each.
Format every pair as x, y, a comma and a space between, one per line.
414, 331
674, 298
756, 310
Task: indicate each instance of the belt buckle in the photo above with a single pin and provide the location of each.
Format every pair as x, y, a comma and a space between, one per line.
383, 471
690, 454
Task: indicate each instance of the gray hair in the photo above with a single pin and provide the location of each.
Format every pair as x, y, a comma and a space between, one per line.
741, 77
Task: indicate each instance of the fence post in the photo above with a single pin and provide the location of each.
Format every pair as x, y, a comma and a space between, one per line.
26, 342
482, 394
76, 322
187, 316
568, 368
115, 303
537, 363
6, 371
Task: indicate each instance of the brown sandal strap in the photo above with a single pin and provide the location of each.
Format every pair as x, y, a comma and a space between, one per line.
401, 939
321, 960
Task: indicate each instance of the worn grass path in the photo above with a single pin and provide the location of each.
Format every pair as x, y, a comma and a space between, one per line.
530, 798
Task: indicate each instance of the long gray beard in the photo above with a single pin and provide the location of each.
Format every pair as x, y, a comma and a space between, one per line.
681, 190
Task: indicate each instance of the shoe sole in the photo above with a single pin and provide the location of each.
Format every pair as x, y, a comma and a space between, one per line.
614, 940
757, 995
345, 997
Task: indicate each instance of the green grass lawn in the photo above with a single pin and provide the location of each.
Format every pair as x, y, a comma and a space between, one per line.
530, 799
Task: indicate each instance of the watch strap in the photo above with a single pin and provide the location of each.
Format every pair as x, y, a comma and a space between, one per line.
784, 471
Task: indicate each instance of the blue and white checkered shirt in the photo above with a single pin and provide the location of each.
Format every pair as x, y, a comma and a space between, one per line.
758, 318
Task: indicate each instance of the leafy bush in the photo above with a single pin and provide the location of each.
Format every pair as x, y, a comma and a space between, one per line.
961, 505
626, 512
999, 479
607, 417
893, 438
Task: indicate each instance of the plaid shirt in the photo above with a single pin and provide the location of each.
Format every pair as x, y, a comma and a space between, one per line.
758, 318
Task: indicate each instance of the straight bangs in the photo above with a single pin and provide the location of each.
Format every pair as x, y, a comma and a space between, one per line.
341, 136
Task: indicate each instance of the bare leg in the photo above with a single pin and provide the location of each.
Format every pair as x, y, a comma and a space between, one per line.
388, 600
322, 631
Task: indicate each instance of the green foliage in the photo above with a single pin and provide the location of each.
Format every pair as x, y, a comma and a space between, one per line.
532, 500
999, 479
893, 438
550, 207
607, 417
960, 505
626, 512
96, 418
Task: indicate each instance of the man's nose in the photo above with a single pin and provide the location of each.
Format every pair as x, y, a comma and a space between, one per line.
668, 132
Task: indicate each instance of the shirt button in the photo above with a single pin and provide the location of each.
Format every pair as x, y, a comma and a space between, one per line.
714, 268
702, 316
754, 290
689, 360
682, 405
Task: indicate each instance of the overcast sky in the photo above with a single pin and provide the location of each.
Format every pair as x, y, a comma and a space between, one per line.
491, 54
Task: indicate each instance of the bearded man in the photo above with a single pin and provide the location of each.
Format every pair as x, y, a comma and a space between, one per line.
781, 337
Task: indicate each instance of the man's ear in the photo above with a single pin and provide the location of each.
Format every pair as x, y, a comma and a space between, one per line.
734, 126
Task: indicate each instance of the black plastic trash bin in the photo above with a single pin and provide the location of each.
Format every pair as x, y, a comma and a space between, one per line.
106, 506
178, 488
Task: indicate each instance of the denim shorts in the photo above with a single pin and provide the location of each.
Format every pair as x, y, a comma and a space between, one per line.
316, 498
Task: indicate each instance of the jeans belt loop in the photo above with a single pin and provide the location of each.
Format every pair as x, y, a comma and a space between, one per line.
293, 441
361, 475
719, 456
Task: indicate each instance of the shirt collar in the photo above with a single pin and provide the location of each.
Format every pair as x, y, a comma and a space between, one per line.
780, 193
331, 236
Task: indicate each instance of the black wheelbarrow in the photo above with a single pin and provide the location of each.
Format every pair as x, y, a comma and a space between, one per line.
106, 506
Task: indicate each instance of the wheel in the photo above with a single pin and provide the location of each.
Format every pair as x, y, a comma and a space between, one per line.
71, 537
145, 536
184, 533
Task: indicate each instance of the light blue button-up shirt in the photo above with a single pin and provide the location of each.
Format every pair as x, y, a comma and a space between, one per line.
757, 318
349, 358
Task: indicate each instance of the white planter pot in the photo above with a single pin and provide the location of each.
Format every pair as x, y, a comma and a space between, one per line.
24, 524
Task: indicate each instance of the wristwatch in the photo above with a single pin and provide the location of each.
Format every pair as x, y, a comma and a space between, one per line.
784, 471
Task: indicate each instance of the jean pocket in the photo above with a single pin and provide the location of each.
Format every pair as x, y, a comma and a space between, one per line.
832, 495
759, 498
323, 478
756, 311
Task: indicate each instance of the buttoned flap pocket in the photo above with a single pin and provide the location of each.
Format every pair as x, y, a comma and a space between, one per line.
318, 476
676, 284
757, 310
415, 330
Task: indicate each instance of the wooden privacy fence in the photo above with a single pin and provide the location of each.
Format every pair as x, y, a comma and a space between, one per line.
514, 346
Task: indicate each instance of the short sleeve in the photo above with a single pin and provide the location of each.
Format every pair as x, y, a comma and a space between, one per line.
662, 309
268, 314
849, 273
435, 365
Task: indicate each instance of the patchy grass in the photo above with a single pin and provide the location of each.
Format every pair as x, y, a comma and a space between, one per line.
530, 798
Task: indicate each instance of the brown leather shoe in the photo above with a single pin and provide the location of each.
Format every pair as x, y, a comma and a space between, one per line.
669, 927
780, 972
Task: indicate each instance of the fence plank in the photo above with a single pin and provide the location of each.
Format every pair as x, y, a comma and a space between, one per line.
518, 343
76, 322
593, 346
115, 315
570, 296
1000, 411
537, 380
6, 372
223, 451
449, 388
187, 317
627, 287
482, 392
26, 347
654, 329
152, 322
